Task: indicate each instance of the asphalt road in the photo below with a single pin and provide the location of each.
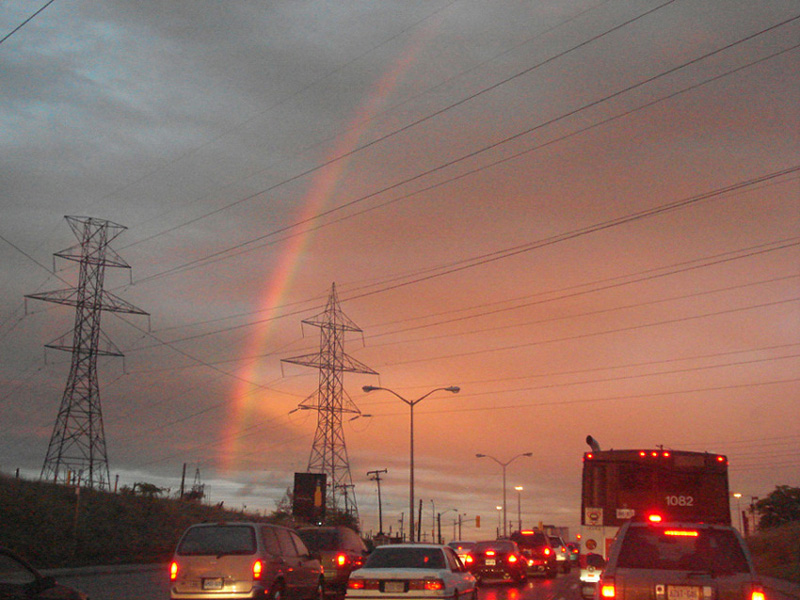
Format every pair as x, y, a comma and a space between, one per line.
151, 583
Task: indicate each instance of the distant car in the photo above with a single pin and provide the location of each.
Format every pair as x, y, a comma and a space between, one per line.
562, 554
574, 553
341, 551
412, 571
462, 548
679, 560
497, 559
535, 546
244, 560
19, 580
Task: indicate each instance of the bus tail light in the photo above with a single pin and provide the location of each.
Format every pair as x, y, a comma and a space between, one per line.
654, 518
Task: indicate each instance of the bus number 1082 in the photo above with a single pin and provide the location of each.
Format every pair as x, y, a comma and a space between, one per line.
680, 500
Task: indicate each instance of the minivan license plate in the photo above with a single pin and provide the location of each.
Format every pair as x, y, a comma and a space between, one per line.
683, 592
212, 583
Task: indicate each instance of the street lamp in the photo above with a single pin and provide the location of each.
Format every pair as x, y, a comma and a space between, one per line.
411, 404
504, 465
738, 497
519, 506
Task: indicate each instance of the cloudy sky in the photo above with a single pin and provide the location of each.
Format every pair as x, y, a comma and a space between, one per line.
585, 213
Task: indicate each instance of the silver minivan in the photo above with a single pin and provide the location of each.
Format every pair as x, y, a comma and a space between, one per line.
679, 561
243, 560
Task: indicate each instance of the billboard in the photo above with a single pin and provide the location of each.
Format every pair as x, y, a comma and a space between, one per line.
309, 497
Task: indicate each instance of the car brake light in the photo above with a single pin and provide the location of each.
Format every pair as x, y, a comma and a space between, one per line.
512, 559
547, 551
426, 584
173, 571
681, 533
258, 568
490, 553
341, 560
607, 589
468, 560
355, 584
757, 593
654, 518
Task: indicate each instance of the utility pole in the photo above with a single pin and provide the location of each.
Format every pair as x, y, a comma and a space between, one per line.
328, 451
77, 449
376, 476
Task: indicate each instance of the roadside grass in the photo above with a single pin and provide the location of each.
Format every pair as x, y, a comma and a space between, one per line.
53, 526
776, 552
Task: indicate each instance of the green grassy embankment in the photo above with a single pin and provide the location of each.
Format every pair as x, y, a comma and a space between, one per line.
777, 552
52, 526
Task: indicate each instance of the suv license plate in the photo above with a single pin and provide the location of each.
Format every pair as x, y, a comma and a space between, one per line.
212, 583
490, 562
683, 592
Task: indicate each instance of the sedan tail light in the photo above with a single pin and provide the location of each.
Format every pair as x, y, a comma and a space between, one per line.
757, 593
426, 584
173, 571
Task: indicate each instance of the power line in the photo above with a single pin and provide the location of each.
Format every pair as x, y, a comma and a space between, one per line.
25, 22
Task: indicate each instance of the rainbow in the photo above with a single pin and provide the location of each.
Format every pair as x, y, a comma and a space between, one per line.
248, 404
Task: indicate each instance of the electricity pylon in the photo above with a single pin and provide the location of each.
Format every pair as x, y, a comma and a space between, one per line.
329, 452
77, 450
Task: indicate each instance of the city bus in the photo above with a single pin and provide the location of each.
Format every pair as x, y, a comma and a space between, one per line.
620, 485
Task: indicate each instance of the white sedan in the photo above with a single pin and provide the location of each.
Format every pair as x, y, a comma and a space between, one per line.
406, 571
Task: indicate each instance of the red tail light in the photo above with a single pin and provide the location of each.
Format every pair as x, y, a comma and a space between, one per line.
426, 584
173, 571
490, 553
355, 584
512, 559
342, 560
258, 569
607, 589
468, 560
547, 552
757, 593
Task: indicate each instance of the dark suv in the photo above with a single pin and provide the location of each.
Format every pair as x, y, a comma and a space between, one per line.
341, 551
679, 560
536, 548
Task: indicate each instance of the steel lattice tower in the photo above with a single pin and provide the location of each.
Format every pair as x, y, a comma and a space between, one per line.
329, 452
77, 449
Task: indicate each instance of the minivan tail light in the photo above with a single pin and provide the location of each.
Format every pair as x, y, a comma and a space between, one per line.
757, 593
173, 572
341, 560
258, 569
607, 589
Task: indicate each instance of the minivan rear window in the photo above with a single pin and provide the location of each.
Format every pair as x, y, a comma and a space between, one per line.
691, 549
218, 540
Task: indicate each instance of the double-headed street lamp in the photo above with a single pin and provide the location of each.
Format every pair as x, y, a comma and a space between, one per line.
411, 404
504, 465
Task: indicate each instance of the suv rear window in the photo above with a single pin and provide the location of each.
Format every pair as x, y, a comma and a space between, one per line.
530, 540
218, 540
701, 549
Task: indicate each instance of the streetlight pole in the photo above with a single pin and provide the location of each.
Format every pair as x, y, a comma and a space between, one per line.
411, 404
504, 465
519, 506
